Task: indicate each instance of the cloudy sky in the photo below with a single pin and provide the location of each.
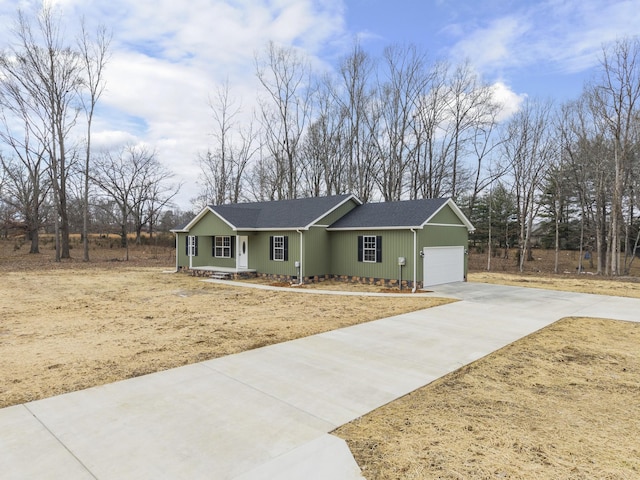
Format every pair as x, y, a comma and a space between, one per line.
169, 56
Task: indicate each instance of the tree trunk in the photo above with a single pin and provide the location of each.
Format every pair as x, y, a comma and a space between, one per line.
34, 235
65, 250
557, 239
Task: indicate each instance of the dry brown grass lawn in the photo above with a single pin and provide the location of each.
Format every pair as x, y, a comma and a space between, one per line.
561, 403
74, 325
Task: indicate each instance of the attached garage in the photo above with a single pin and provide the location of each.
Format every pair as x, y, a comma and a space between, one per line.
443, 265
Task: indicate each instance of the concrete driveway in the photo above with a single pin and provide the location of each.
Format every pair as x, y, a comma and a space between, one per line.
268, 413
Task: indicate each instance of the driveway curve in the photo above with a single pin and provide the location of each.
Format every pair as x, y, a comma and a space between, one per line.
268, 413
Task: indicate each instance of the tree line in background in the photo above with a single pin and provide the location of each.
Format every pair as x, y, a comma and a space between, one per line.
400, 126
50, 177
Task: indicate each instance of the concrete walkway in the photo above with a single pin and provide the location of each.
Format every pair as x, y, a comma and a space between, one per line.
268, 413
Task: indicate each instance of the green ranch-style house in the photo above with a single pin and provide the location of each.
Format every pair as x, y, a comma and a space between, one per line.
417, 242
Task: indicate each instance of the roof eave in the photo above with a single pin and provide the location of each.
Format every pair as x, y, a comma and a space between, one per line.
270, 229
399, 227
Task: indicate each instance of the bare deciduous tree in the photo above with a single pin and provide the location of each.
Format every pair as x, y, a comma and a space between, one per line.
398, 101
131, 178
325, 169
25, 190
94, 54
354, 97
48, 73
26, 177
430, 167
617, 99
223, 166
528, 149
285, 76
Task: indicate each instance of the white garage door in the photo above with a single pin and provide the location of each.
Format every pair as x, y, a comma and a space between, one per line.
443, 265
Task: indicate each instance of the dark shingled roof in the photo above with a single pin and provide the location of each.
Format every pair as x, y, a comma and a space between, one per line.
296, 213
408, 213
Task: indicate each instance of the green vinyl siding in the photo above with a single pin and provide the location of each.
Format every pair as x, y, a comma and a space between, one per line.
442, 236
221, 261
395, 243
181, 250
204, 251
259, 253
317, 252
338, 213
446, 216
209, 226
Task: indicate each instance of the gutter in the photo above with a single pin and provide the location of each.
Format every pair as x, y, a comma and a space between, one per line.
415, 262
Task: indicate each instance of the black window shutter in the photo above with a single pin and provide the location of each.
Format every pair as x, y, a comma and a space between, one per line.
232, 240
271, 247
286, 248
360, 249
196, 239
378, 249
186, 245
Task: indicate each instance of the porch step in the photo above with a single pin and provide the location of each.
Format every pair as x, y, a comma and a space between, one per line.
220, 275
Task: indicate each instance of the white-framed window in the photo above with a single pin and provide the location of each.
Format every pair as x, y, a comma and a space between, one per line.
222, 247
278, 248
369, 248
192, 246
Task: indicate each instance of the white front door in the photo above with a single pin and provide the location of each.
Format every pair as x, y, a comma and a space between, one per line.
243, 252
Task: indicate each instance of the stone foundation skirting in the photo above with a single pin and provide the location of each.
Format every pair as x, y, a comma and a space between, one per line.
278, 278
208, 272
381, 282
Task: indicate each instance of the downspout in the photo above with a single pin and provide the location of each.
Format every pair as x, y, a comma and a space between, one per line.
300, 276
177, 254
415, 261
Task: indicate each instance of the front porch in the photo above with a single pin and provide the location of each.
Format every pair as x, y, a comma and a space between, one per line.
229, 273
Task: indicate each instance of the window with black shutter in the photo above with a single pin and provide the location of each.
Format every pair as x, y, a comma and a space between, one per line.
370, 248
279, 248
192, 246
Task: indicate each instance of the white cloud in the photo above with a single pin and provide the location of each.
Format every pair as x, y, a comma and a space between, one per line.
563, 35
507, 98
106, 139
169, 56
491, 46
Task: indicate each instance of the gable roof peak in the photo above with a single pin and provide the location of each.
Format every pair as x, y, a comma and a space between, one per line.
288, 214
396, 214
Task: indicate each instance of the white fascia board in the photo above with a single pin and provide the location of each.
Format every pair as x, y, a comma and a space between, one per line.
458, 213
273, 229
331, 210
443, 225
345, 229
204, 211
